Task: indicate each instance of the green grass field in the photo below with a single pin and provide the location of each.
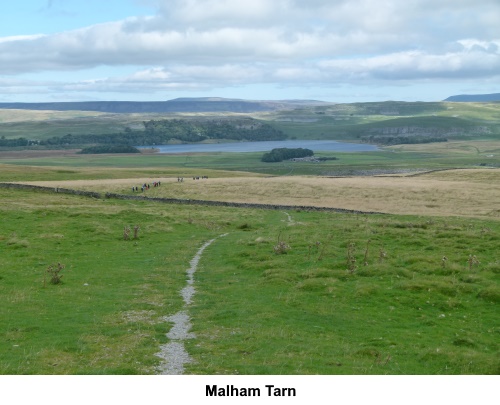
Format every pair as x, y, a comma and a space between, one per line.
105, 318
397, 309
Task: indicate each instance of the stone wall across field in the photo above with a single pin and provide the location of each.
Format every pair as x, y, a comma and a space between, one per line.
236, 204
181, 201
51, 189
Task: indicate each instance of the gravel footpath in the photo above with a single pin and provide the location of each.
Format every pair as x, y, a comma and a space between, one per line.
173, 353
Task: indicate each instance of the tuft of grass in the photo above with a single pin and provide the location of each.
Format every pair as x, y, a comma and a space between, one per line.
490, 294
323, 284
15, 243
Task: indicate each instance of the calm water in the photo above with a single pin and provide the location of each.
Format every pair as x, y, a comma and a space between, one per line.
315, 146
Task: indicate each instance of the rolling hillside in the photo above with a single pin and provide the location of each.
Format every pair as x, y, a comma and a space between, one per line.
474, 98
358, 121
389, 122
180, 105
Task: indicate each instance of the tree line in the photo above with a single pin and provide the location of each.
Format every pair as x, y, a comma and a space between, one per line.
157, 132
12, 143
109, 149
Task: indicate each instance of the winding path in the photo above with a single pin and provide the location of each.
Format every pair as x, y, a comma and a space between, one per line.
173, 354
290, 220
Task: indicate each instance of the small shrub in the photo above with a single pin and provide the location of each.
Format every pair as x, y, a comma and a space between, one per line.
365, 259
382, 255
281, 247
126, 232
473, 261
54, 271
323, 247
351, 259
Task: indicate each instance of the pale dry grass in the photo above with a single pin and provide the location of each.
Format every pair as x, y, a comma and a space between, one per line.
17, 115
487, 175
469, 193
29, 174
479, 147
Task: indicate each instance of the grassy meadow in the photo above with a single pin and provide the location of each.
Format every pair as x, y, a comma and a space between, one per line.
105, 316
347, 294
351, 295
414, 289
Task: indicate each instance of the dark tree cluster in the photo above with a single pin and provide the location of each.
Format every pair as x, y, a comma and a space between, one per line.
280, 154
12, 143
110, 149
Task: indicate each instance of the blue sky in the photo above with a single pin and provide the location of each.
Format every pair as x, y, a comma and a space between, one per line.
332, 50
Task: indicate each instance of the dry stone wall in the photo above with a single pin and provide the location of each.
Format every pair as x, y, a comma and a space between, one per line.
181, 201
50, 189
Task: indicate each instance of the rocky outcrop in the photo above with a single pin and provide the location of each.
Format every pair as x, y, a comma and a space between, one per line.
426, 131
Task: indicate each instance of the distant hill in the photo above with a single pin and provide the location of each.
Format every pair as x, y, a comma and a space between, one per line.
388, 122
471, 98
179, 105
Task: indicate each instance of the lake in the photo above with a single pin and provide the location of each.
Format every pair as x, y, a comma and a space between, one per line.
264, 146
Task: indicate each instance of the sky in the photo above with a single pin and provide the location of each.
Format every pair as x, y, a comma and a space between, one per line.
330, 50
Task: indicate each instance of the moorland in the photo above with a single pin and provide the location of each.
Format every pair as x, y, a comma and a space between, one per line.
407, 283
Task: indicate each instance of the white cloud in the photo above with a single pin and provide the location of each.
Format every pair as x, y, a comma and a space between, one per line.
13, 39
215, 43
471, 62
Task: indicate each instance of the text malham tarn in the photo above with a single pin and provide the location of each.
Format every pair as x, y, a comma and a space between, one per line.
232, 391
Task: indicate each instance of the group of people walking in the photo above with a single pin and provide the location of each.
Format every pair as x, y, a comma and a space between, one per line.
146, 186
181, 179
